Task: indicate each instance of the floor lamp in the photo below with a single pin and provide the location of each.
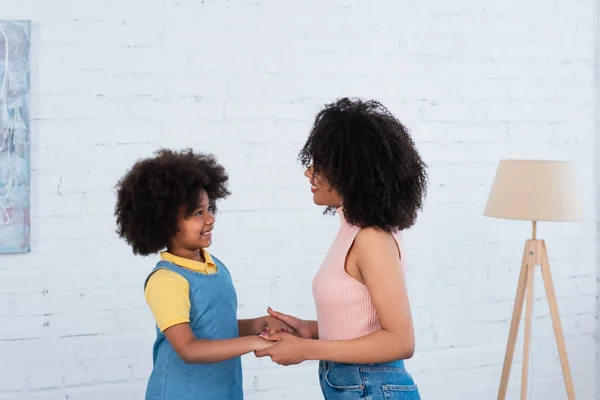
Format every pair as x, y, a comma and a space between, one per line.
533, 190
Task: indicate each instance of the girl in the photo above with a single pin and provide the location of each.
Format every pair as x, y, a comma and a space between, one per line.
362, 164
169, 201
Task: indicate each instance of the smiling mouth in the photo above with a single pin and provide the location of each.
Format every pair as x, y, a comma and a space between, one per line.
207, 233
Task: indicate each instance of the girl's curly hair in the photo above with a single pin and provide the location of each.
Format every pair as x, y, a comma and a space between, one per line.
369, 158
150, 196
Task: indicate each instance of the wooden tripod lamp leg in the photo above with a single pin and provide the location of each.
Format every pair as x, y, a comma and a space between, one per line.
531, 265
558, 332
514, 325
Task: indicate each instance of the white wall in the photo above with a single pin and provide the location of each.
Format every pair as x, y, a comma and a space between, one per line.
597, 173
476, 81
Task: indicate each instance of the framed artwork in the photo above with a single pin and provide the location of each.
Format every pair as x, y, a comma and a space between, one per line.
15, 159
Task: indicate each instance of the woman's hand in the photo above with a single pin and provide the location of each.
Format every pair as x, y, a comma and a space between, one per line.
275, 325
286, 349
301, 327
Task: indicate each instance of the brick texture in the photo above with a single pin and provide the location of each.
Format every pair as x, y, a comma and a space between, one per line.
475, 81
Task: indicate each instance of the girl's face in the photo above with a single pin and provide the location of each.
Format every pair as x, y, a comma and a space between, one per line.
323, 193
195, 228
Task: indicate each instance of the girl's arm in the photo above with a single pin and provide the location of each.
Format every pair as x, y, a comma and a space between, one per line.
252, 326
381, 270
167, 294
194, 351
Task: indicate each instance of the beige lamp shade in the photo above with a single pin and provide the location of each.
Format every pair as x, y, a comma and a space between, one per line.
534, 190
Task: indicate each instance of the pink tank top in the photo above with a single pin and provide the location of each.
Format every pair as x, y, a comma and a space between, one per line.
344, 306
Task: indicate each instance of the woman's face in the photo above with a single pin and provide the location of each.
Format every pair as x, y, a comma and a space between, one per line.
323, 193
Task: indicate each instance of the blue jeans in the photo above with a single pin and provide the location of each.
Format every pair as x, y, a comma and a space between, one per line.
389, 381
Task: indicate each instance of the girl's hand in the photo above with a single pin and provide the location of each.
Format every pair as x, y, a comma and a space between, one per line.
287, 350
300, 326
260, 343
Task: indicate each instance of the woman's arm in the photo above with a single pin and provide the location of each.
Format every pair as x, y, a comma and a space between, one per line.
381, 270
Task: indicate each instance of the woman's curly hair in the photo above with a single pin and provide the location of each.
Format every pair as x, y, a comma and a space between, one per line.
151, 194
369, 158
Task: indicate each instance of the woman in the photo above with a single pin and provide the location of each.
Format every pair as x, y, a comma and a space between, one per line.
362, 165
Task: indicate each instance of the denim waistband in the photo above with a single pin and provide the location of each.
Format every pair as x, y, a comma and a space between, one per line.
399, 364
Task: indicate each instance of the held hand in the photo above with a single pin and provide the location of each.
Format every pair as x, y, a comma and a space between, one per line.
287, 350
274, 325
300, 326
260, 344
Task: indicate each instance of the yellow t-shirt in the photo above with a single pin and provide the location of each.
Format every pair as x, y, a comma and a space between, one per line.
167, 292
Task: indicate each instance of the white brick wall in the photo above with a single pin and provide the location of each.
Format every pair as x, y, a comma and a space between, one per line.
597, 173
476, 81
